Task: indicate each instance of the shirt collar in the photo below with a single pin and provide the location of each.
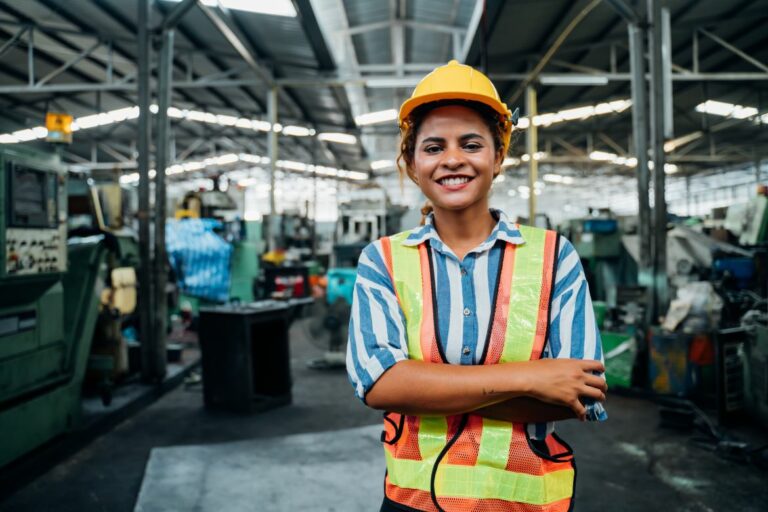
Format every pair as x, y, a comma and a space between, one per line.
504, 230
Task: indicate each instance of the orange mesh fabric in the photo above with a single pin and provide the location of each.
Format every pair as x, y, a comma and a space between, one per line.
422, 500
523, 460
408, 447
464, 452
500, 316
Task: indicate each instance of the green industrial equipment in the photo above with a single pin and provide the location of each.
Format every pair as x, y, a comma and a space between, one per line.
49, 292
598, 243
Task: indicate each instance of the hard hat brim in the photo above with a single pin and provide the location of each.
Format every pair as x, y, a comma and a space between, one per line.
411, 104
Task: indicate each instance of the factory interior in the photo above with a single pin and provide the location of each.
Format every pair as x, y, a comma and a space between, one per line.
187, 187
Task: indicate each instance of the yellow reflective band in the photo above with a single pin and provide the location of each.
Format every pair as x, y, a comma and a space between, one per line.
525, 295
494, 443
480, 482
433, 433
406, 267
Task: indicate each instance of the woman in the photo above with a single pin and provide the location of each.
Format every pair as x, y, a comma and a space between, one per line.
474, 333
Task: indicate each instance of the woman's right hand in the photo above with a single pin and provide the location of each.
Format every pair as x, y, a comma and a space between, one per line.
565, 382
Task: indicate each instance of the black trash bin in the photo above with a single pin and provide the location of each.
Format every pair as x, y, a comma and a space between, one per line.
245, 356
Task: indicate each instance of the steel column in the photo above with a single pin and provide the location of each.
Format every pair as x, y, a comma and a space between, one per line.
272, 146
640, 138
145, 265
661, 285
162, 159
532, 145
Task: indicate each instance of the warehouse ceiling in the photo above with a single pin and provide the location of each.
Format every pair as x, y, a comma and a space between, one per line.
336, 60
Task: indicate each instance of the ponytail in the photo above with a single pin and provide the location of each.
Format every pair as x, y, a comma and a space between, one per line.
425, 211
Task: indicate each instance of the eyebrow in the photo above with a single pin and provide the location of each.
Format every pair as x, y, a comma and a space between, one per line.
465, 137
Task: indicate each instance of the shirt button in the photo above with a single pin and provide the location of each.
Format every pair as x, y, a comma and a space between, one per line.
466, 351
467, 312
464, 272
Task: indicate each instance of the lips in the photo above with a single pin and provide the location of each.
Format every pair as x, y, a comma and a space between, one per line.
454, 181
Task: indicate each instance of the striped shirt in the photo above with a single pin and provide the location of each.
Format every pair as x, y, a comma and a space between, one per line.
464, 291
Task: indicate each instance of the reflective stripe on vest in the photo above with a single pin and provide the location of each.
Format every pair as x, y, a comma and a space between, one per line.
491, 460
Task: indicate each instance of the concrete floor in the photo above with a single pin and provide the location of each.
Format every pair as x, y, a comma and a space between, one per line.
627, 463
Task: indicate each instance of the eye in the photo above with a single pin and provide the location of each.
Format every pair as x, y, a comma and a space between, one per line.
473, 146
432, 149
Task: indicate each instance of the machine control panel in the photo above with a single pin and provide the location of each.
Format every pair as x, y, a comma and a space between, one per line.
34, 251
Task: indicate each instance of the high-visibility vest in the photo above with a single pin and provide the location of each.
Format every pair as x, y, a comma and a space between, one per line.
467, 462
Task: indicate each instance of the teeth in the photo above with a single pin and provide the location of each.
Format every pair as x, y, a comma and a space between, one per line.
454, 181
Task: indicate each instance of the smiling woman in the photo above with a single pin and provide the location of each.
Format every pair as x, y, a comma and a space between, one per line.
473, 334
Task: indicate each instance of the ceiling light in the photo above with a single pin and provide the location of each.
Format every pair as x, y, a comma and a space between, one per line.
553, 178
381, 116
29, 134
510, 160
340, 138
297, 131
271, 7
226, 120
721, 108
262, 126
670, 168
602, 156
382, 164
573, 80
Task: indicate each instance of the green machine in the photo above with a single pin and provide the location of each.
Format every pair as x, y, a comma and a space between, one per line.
598, 243
49, 290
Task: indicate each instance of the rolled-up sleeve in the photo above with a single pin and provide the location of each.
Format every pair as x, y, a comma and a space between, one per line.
377, 335
573, 331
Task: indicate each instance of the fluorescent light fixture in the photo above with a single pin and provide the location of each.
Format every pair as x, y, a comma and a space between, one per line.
510, 160
196, 115
293, 166
670, 168
154, 108
129, 178
262, 126
340, 138
30, 134
576, 114
382, 116
382, 164
391, 83
557, 178
297, 131
573, 80
226, 120
271, 7
721, 108
602, 156
8, 139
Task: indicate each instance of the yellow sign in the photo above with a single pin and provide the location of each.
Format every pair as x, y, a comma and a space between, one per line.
59, 127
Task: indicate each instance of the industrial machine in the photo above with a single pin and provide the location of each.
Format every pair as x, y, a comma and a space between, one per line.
598, 243
49, 294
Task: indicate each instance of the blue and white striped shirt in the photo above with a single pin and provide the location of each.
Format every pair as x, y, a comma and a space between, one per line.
377, 334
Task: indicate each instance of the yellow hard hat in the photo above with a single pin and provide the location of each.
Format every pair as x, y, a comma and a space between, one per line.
456, 81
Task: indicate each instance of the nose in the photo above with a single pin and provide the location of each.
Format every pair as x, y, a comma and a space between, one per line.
453, 158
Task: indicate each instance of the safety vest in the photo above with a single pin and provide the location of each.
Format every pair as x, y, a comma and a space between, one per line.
467, 462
